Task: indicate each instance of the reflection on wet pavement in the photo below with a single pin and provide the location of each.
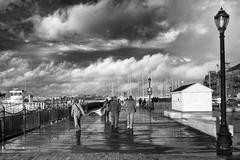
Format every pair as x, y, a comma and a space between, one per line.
155, 135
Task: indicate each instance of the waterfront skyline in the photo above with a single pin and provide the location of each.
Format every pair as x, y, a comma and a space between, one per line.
82, 47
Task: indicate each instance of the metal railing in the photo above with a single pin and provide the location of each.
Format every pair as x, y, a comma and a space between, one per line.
29, 118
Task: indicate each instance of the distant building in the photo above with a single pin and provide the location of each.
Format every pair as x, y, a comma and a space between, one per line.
212, 81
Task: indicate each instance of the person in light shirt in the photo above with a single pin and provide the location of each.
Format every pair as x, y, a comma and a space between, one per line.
76, 113
130, 109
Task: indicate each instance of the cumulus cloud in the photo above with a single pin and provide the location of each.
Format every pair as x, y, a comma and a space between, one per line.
132, 20
50, 78
12, 68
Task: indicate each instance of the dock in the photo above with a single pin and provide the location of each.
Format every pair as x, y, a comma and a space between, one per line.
153, 137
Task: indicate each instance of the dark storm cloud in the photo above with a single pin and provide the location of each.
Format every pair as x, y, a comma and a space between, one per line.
14, 26
38, 52
85, 58
128, 20
80, 21
8, 40
45, 6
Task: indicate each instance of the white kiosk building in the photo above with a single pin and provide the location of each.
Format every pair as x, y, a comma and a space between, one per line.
192, 97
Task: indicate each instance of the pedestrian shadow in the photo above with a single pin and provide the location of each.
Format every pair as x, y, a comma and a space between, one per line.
233, 157
78, 137
117, 138
130, 137
122, 140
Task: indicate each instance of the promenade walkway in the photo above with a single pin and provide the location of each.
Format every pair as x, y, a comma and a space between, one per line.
152, 138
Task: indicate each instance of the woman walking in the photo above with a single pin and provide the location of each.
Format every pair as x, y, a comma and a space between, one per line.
76, 113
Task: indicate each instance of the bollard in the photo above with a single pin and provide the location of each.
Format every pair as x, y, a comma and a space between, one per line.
24, 119
3, 124
150, 116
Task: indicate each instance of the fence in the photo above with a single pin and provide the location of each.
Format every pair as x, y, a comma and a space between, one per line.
17, 123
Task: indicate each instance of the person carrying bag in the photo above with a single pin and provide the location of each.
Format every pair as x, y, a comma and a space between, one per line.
76, 113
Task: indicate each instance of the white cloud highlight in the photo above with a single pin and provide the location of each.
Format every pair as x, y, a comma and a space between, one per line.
50, 78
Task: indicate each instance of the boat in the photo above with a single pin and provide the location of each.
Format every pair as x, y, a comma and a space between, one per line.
16, 96
18, 99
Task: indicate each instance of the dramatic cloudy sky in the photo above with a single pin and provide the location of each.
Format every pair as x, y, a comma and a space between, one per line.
66, 47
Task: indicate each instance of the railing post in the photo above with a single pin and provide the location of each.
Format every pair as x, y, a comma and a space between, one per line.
3, 124
69, 111
39, 116
52, 112
52, 102
24, 119
58, 113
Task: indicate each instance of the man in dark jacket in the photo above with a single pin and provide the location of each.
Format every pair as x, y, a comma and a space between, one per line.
114, 109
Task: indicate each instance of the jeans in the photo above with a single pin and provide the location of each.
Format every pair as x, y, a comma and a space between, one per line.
130, 119
77, 122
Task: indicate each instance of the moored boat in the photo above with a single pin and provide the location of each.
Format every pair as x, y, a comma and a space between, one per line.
18, 99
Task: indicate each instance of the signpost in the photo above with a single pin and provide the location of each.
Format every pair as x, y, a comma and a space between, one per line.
150, 91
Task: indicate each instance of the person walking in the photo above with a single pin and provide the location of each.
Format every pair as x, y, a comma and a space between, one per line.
106, 110
131, 109
76, 113
114, 109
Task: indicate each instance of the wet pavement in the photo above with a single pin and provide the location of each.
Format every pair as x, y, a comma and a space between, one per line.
152, 138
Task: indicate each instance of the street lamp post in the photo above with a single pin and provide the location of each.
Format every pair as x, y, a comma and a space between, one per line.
149, 82
149, 92
224, 139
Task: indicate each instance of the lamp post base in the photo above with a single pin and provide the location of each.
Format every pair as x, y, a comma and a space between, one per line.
224, 141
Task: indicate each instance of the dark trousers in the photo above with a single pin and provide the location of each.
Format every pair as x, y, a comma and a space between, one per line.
114, 119
107, 116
